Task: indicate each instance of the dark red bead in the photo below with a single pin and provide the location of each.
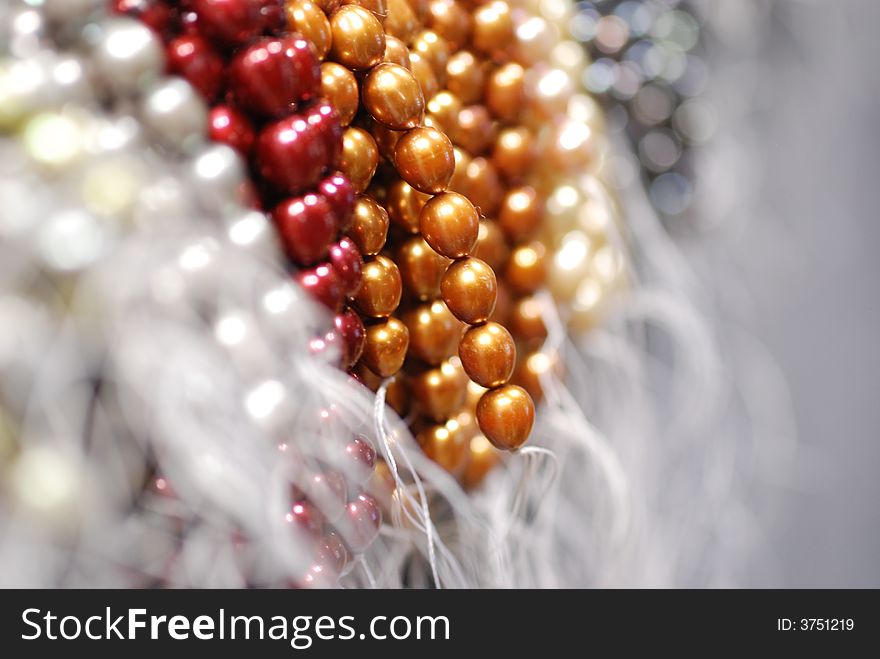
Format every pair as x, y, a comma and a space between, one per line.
155, 14
268, 77
193, 58
362, 459
360, 524
340, 194
346, 260
228, 23
291, 154
306, 227
306, 517
324, 116
322, 283
228, 125
351, 329
274, 19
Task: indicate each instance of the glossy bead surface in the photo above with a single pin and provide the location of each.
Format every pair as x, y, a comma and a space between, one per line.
445, 445
348, 264
450, 224
464, 77
385, 347
433, 49
155, 14
526, 270
421, 268
491, 245
444, 108
506, 416
339, 86
381, 288
404, 205
493, 27
520, 212
192, 57
451, 21
350, 327
505, 91
360, 157
469, 289
474, 130
309, 20
292, 152
358, 38
481, 459
228, 22
401, 21
488, 354
480, 183
526, 321
425, 160
514, 152
421, 69
332, 552
434, 332
392, 96
306, 227
361, 459
305, 517
339, 193
369, 226
229, 126
440, 392
360, 524
322, 283
271, 75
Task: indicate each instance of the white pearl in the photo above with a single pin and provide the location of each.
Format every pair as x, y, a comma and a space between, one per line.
252, 232
128, 56
217, 174
65, 11
173, 110
238, 333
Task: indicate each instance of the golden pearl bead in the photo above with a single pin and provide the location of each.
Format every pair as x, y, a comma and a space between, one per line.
469, 289
474, 130
503, 304
309, 20
379, 8
491, 245
451, 21
445, 445
360, 157
393, 97
401, 21
526, 270
514, 152
440, 392
520, 213
421, 268
396, 51
506, 416
434, 49
493, 27
404, 205
450, 224
459, 181
526, 321
424, 73
505, 92
369, 226
444, 108
385, 347
488, 354
328, 6
380, 290
434, 332
465, 77
358, 38
420, 7
480, 184
529, 372
424, 159
481, 459
386, 139
339, 86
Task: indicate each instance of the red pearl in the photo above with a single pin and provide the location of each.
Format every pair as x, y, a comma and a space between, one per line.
272, 13
350, 327
362, 459
324, 116
228, 125
229, 22
306, 517
332, 552
322, 283
291, 153
306, 226
346, 260
360, 525
193, 58
339, 193
155, 14
268, 77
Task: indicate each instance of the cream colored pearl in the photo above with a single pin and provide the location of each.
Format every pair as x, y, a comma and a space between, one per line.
570, 264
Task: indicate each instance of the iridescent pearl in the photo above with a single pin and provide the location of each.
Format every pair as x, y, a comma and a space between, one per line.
450, 224
488, 354
309, 20
369, 226
360, 157
506, 416
358, 38
424, 159
385, 348
381, 288
433, 49
396, 51
469, 290
339, 86
480, 184
393, 97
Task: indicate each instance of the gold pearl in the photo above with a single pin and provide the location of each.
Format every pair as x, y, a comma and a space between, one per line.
434, 49
401, 21
529, 372
480, 184
506, 416
339, 86
309, 20
328, 6
379, 8
527, 268
424, 73
420, 7
488, 354
526, 321
491, 245
469, 289
474, 130
450, 224
440, 392
514, 152
445, 445
393, 97
369, 226
482, 458
434, 332
503, 304
385, 347
424, 159
459, 181
505, 92
358, 38
360, 157
421, 268
380, 290
451, 21
386, 139
444, 108
520, 213
396, 51
404, 205
493, 27
464, 77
